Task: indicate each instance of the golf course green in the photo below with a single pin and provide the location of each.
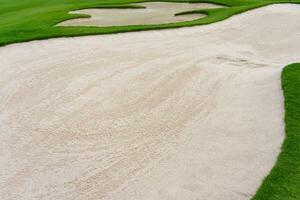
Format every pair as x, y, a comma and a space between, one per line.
36, 19
28, 20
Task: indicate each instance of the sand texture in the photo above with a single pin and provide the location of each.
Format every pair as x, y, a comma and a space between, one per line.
182, 114
154, 13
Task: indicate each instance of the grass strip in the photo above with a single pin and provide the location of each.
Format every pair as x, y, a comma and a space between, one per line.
283, 182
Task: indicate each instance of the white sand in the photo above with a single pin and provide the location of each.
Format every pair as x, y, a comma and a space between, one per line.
184, 114
154, 13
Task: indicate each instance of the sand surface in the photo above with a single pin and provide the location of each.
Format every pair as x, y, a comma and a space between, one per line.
183, 114
154, 13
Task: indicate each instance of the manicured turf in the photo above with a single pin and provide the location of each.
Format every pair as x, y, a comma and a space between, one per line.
26, 20
283, 183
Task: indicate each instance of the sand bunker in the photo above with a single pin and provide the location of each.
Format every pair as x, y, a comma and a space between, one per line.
154, 13
184, 114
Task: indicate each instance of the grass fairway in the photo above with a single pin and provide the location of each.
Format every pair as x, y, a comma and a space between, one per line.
36, 19
27, 20
284, 180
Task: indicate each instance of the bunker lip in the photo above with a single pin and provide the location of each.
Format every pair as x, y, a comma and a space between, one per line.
191, 113
153, 13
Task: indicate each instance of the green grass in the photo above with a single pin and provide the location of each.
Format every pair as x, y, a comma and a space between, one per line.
26, 20
283, 183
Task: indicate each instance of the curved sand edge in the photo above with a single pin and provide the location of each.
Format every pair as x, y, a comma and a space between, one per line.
153, 13
191, 113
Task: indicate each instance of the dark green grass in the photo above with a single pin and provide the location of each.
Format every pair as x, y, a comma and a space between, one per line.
283, 183
26, 20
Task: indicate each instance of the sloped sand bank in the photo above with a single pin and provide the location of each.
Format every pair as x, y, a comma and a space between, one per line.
191, 113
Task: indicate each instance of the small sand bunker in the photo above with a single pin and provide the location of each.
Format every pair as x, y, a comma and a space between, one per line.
154, 13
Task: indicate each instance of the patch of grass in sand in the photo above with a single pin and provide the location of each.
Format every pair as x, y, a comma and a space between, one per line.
283, 183
26, 20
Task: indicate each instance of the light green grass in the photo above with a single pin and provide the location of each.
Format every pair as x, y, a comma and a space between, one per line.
26, 20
